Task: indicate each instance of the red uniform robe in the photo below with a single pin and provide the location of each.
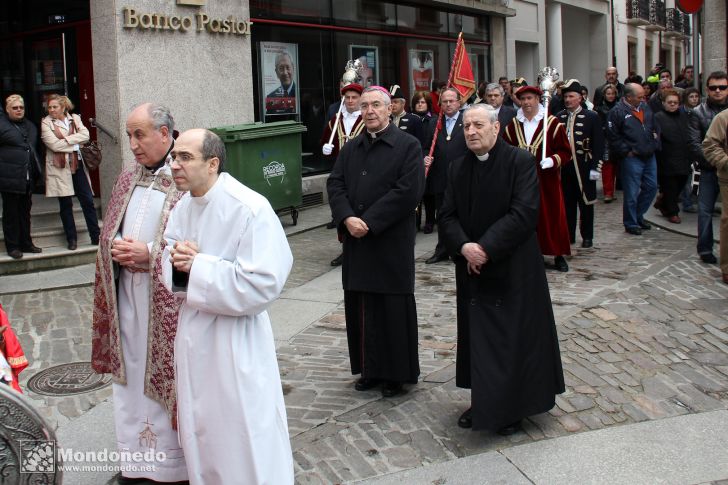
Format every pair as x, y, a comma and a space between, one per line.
13, 351
552, 231
341, 137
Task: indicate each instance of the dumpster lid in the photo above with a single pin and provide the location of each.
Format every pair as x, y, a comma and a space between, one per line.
258, 130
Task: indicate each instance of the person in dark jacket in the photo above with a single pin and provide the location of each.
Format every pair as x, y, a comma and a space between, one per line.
634, 140
376, 183
708, 189
449, 145
421, 106
579, 178
673, 157
19, 168
609, 99
495, 96
612, 79
508, 350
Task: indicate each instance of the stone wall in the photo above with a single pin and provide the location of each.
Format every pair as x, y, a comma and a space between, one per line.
204, 77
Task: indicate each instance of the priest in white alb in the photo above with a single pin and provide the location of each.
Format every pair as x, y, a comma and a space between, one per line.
227, 259
135, 316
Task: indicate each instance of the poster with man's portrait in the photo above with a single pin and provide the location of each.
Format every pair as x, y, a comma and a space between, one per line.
421, 67
369, 57
279, 78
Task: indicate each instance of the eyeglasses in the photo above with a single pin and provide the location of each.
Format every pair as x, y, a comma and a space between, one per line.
17, 108
718, 87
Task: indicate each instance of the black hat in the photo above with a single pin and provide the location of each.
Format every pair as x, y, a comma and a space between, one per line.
396, 92
572, 85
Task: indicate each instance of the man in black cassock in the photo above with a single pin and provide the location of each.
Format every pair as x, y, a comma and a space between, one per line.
374, 187
507, 352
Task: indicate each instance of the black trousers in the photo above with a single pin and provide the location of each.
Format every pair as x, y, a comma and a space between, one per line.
671, 187
433, 203
82, 189
16, 220
573, 199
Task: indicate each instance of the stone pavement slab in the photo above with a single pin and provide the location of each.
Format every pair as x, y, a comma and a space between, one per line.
684, 449
485, 469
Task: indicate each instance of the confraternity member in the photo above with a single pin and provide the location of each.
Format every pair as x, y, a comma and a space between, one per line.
373, 190
508, 351
579, 179
135, 317
526, 131
227, 259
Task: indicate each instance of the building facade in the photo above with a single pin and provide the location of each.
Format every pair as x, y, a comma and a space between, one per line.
583, 37
216, 62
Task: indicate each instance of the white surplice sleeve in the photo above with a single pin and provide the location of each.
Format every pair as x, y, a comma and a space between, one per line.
250, 282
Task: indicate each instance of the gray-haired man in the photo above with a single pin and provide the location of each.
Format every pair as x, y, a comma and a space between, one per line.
495, 96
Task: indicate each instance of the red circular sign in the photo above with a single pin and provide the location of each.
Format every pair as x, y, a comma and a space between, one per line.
690, 6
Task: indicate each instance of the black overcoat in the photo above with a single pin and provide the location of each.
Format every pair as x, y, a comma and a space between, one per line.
508, 351
587, 150
445, 152
381, 182
19, 162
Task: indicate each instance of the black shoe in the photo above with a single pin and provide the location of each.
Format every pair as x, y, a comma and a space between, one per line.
391, 389
708, 258
428, 229
436, 258
510, 429
466, 419
561, 264
32, 249
95, 241
633, 230
645, 226
338, 260
587, 243
331, 225
15, 254
364, 384
72, 245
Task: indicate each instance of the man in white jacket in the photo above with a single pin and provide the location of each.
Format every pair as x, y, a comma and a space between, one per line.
227, 257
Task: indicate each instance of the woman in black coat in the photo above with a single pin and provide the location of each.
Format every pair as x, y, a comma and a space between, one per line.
673, 158
19, 168
421, 105
609, 167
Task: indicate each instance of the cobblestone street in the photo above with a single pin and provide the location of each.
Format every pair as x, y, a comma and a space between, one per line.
643, 329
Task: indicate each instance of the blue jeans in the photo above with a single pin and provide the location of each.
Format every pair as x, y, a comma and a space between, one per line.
83, 192
708, 191
639, 187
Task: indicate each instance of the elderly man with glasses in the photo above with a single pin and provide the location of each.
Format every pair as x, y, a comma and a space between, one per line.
20, 167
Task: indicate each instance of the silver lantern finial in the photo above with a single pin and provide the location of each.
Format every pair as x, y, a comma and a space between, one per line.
547, 78
352, 72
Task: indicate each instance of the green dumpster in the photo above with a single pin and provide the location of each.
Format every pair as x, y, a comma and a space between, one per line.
267, 158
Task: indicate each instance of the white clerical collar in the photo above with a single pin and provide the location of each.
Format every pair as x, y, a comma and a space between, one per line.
539, 116
205, 198
377, 133
483, 158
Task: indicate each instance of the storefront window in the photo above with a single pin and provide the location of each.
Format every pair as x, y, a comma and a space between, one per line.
410, 46
310, 10
423, 21
366, 14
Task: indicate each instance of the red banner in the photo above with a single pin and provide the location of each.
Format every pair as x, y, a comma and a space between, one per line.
462, 75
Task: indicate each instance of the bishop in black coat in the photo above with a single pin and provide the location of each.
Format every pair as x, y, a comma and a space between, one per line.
379, 178
508, 351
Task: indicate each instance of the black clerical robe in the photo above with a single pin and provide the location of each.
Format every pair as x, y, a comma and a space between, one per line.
508, 351
379, 180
